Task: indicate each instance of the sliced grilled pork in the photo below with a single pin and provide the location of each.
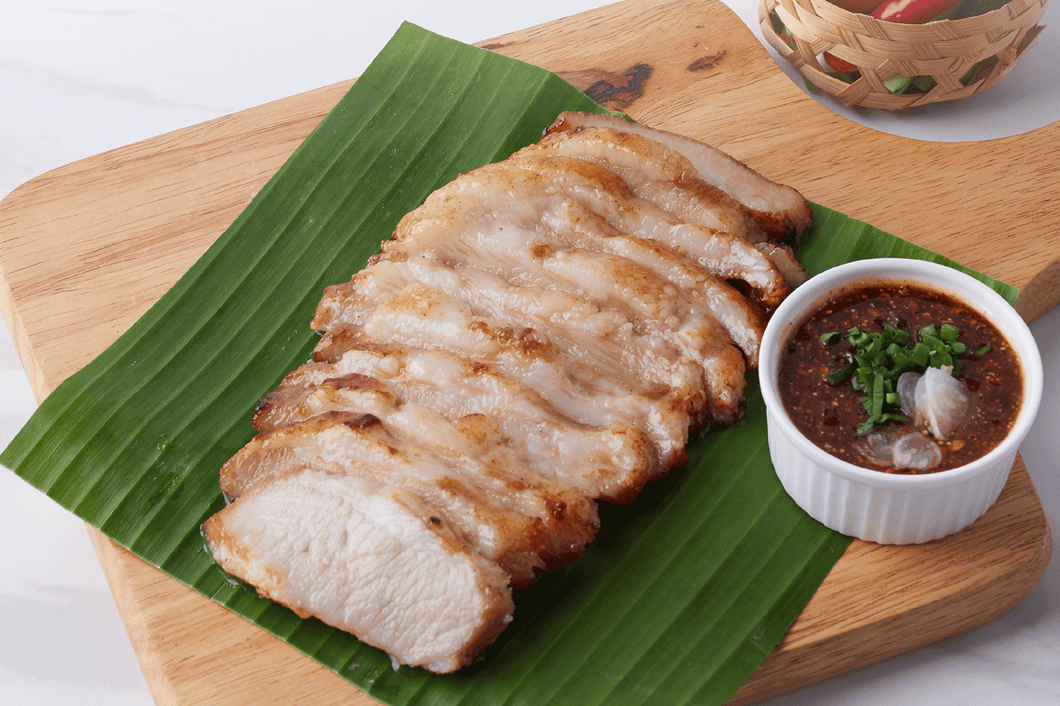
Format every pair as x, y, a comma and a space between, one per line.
722, 253
783, 258
609, 462
459, 224
693, 200
781, 210
472, 446
367, 558
541, 183
540, 334
603, 340
357, 445
423, 317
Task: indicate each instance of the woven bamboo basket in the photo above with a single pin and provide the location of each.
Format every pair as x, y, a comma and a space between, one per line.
945, 50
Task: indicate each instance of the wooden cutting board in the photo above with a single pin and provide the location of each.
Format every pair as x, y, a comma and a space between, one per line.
85, 249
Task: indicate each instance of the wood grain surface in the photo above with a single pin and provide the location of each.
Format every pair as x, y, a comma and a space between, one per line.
87, 248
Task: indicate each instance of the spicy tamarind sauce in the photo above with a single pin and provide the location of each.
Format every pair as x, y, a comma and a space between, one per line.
830, 415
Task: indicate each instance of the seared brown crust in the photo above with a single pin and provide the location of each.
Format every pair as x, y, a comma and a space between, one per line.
511, 518
610, 462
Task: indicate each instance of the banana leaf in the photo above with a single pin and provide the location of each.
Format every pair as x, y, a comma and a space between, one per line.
682, 595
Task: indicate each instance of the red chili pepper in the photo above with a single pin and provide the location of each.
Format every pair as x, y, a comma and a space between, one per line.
862, 6
841, 65
912, 11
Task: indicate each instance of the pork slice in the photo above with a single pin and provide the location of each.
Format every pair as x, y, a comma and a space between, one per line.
602, 338
637, 203
723, 253
317, 388
471, 445
474, 444
781, 211
631, 303
544, 179
422, 317
651, 171
653, 312
458, 225
692, 200
783, 258
706, 297
368, 558
358, 445
607, 462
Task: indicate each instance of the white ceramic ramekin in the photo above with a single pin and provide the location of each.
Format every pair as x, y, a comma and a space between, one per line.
884, 507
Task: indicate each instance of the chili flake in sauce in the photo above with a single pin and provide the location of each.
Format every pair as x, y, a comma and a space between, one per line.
830, 414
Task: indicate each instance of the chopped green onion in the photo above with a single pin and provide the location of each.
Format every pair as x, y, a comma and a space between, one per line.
877, 397
895, 335
949, 332
941, 359
897, 84
919, 356
836, 376
875, 361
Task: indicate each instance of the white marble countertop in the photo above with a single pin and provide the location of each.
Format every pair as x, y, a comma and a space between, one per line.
83, 76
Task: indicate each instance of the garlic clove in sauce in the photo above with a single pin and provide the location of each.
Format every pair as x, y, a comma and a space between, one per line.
877, 446
900, 448
917, 452
906, 389
941, 402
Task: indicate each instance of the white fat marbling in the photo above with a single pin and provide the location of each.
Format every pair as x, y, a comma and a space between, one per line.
79, 77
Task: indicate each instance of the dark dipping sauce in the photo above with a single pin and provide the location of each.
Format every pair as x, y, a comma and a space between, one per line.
829, 415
